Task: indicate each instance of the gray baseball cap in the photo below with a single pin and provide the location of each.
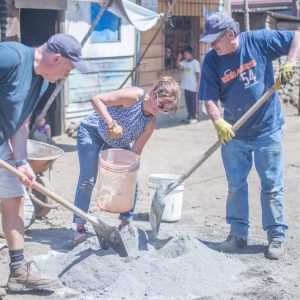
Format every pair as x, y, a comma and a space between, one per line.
70, 48
215, 24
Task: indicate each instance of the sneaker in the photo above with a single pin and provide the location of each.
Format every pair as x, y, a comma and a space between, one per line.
231, 244
2, 293
27, 278
275, 249
193, 121
186, 121
123, 224
80, 234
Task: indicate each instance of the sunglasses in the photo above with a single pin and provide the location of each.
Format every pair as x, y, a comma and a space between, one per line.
219, 37
161, 106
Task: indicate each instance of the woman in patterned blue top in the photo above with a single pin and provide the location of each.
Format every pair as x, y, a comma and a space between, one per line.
125, 119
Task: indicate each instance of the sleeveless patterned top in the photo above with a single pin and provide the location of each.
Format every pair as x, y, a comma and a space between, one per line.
132, 120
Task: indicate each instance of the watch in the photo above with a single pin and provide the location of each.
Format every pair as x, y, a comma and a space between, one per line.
21, 162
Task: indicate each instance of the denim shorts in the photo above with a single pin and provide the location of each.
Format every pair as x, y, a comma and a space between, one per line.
10, 186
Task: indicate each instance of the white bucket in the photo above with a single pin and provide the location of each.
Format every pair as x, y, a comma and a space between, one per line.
173, 208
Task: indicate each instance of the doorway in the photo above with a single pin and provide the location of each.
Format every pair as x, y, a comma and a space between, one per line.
180, 32
37, 25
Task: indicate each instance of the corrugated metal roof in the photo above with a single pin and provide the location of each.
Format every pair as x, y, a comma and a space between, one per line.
259, 3
277, 16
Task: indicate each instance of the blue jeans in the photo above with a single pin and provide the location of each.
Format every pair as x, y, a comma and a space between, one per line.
191, 101
237, 158
89, 145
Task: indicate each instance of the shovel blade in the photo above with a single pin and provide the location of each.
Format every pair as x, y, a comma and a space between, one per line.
109, 236
157, 210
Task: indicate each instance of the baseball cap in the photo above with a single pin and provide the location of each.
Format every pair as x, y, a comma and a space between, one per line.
70, 48
215, 24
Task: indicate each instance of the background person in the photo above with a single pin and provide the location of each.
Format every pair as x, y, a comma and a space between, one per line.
42, 132
190, 78
169, 58
24, 73
123, 119
237, 71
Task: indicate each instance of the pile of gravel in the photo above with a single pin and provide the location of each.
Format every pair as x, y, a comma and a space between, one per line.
175, 267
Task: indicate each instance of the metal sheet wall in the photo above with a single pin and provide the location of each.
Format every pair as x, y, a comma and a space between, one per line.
82, 87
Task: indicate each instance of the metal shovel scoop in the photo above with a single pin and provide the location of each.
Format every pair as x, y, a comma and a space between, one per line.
158, 201
108, 236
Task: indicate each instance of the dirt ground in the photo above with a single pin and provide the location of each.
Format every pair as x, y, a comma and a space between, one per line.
174, 148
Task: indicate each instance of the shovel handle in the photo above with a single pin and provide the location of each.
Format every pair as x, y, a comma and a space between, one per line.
37, 186
256, 105
241, 121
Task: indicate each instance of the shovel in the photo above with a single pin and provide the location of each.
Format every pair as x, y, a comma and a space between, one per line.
158, 202
108, 236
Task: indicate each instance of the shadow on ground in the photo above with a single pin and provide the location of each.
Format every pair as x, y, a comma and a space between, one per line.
142, 217
59, 239
250, 249
33, 293
66, 148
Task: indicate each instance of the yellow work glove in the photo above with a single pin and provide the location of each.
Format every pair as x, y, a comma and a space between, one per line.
224, 130
286, 72
114, 130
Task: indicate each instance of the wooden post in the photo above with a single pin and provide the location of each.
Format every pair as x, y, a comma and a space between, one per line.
246, 16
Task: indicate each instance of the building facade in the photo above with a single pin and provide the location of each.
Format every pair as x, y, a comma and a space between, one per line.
113, 47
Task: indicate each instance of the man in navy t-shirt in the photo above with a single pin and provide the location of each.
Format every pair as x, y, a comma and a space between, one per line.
24, 76
237, 71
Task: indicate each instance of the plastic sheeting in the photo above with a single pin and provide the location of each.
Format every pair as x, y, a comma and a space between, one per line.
130, 13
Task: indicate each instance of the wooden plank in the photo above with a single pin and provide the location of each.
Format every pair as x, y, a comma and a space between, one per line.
152, 64
148, 78
187, 7
155, 50
146, 37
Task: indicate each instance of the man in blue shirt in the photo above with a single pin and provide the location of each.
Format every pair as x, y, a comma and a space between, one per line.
237, 71
24, 76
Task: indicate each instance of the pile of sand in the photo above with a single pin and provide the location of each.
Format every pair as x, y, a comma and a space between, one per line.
176, 267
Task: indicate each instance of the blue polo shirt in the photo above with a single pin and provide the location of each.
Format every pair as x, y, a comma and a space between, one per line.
239, 79
20, 88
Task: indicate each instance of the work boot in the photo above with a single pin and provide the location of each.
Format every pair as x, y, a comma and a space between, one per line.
232, 244
2, 293
26, 278
275, 249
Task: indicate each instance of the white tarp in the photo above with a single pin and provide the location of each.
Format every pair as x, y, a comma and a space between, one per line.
130, 13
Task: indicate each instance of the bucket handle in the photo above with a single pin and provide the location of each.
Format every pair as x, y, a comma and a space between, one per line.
118, 171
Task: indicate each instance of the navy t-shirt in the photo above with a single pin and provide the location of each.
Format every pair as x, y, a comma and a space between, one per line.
20, 87
239, 79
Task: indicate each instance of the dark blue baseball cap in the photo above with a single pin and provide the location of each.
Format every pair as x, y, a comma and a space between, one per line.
215, 24
70, 48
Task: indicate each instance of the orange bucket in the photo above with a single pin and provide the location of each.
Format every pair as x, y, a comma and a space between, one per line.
117, 180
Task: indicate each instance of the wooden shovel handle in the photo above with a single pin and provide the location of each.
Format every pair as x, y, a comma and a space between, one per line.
37, 186
256, 105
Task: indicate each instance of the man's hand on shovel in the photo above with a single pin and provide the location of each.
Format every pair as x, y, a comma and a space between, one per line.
224, 130
286, 72
30, 178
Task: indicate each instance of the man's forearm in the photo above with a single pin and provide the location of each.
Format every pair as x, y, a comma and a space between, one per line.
294, 52
19, 142
212, 110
